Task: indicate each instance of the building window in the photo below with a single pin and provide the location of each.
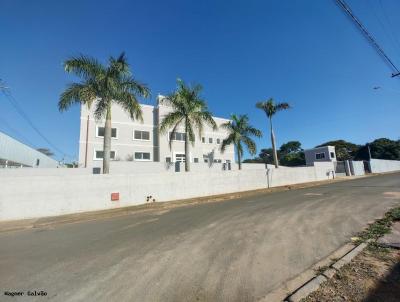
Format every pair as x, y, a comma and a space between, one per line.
168, 159
320, 155
99, 155
141, 135
332, 154
195, 160
203, 140
142, 156
180, 158
177, 136
205, 158
210, 140
100, 132
37, 162
217, 161
218, 141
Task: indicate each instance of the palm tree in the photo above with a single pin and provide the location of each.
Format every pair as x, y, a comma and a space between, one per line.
189, 111
239, 131
103, 85
271, 108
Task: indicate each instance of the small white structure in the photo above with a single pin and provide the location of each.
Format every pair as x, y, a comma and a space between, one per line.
14, 154
320, 154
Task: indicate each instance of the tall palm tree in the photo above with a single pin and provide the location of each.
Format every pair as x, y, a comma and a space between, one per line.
103, 85
271, 108
240, 132
189, 111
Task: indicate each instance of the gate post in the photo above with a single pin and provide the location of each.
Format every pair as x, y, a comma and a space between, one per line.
347, 167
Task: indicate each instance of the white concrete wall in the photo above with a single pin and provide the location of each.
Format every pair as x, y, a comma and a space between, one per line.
31, 197
43, 172
383, 165
133, 167
357, 167
27, 196
293, 175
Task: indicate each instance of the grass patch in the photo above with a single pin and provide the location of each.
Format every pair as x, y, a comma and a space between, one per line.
395, 214
321, 269
380, 227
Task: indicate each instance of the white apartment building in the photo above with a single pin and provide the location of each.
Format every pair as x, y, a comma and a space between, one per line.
141, 141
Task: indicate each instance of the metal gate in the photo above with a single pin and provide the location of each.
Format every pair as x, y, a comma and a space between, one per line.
340, 168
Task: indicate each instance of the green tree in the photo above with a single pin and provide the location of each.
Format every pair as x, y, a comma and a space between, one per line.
291, 154
271, 108
267, 155
290, 147
344, 150
189, 111
239, 133
381, 148
103, 85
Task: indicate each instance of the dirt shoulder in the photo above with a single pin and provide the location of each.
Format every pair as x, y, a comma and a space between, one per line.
374, 275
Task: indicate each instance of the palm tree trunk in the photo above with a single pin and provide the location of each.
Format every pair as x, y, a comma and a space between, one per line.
107, 142
239, 159
273, 145
187, 160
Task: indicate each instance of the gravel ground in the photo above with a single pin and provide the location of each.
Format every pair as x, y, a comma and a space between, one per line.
374, 275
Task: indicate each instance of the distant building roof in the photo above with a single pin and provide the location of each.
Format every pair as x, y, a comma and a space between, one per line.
15, 153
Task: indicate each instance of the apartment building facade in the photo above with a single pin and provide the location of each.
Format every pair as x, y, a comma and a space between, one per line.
141, 141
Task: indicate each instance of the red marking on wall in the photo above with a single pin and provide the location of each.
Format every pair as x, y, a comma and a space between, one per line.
114, 196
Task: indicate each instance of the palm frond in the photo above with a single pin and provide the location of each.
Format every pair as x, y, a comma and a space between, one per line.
250, 144
131, 85
84, 66
187, 105
227, 141
171, 119
130, 104
76, 93
282, 106
101, 109
253, 131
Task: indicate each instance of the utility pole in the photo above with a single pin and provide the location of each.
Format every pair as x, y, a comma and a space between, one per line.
369, 152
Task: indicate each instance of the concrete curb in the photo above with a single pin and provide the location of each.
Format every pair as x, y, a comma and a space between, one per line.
314, 283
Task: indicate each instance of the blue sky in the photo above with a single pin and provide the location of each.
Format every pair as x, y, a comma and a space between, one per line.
306, 53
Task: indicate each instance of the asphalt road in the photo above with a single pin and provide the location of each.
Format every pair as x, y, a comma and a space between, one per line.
237, 250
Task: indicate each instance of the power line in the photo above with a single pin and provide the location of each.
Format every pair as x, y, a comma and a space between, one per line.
21, 112
385, 28
17, 133
370, 38
390, 24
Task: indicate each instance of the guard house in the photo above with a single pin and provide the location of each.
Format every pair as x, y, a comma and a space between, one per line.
320, 154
